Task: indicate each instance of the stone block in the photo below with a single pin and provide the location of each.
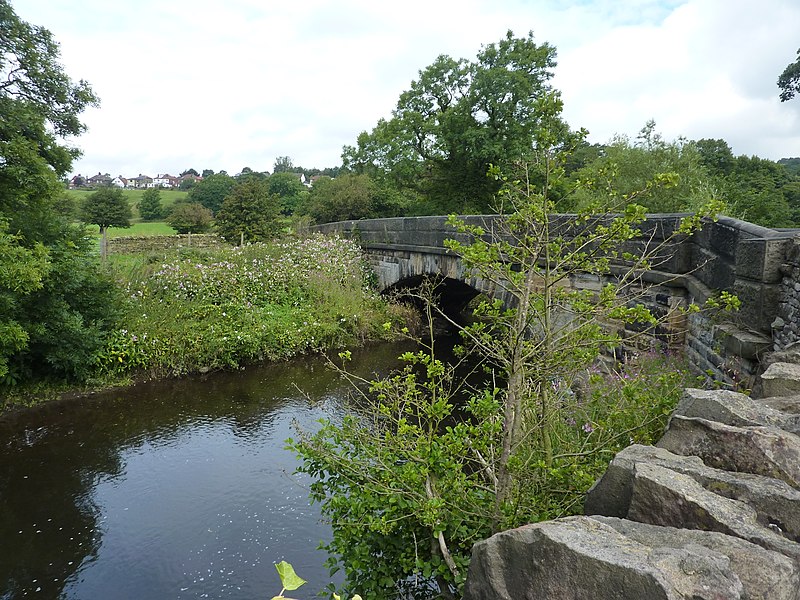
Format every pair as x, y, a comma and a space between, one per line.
663, 497
733, 408
747, 344
781, 379
766, 451
760, 259
582, 558
724, 239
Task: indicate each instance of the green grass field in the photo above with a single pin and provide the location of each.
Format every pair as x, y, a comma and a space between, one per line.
168, 198
139, 229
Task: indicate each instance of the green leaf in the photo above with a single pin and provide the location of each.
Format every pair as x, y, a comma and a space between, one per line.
289, 579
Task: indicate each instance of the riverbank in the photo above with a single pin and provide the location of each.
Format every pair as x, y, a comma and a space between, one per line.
196, 311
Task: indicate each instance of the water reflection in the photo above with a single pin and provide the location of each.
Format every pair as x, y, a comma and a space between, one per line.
178, 489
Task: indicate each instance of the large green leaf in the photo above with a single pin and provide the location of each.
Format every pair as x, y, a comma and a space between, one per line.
289, 579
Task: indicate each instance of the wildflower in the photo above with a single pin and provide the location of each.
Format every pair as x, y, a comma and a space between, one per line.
587, 427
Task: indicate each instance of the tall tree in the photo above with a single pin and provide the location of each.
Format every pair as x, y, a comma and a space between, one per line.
249, 213
288, 187
55, 314
150, 208
457, 119
789, 80
107, 207
211, 191
283, 164
628, 165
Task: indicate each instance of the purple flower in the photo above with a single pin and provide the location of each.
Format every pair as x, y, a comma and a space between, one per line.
587, 427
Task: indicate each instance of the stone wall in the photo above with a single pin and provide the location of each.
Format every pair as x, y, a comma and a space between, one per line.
786, 325
154, 243
711, 513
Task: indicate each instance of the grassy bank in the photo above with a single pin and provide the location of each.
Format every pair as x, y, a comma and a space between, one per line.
202, 311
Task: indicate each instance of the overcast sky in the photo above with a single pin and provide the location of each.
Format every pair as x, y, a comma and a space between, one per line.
227, 84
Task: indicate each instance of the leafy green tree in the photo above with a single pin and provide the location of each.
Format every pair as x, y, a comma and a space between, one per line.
190, 217
716, 156
754, 189
283, 164
150, 208
789, 80
54, 317
107, 207
627, 166
211, 191
351, 196
23, 271
207, 173
429, 465
288, 187
791, 164
190, 172
250, 213
456, 120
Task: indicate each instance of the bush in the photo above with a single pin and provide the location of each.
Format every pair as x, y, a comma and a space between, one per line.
190, 217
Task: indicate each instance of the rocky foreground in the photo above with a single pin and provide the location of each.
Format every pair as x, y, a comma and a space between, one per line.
711, 513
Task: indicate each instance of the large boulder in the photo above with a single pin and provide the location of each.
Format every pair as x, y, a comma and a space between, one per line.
767, 451
786, 404
584, 558
781, 379
663, 497
733, 408
776, 504
779, 580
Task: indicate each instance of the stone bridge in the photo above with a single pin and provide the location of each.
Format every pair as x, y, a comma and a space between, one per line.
759, 265
713, 511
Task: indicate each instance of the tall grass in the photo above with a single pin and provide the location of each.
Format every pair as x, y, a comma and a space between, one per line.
206, 310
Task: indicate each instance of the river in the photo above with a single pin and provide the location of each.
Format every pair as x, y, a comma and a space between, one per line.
169, 490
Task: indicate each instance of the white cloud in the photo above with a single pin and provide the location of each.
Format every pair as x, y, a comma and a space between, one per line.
223, 85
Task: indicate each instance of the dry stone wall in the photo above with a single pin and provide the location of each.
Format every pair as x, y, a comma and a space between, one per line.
155, 243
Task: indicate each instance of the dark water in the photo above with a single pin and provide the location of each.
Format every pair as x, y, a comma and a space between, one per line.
179, 489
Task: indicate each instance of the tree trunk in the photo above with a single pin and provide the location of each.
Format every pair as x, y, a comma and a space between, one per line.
103, 243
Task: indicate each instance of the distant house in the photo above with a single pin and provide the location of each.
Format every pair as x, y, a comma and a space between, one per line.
140, 182
77, 182
188, 177
165, 181
100, 179
119, 181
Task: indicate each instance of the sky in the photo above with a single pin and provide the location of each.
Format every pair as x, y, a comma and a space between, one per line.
228, 84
